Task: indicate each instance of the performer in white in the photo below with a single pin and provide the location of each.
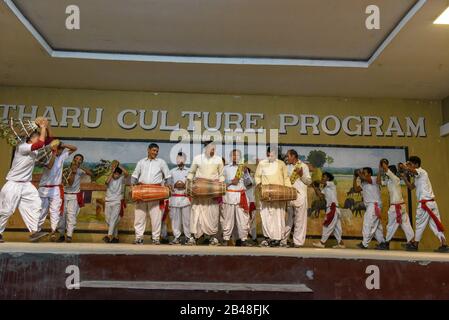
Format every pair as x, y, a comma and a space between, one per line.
250, 184
332, 222
427, 212
51, 189
204, 218
73, 199
19, 192
272, 171
179, 202
297, 210
114, 202
397, 213
370, 188
235, 202
150, 170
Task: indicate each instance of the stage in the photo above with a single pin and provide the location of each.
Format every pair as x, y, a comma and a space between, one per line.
125, 271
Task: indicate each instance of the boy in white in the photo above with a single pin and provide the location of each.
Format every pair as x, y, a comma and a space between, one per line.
235, 202
114, 201
73, 199
51, 190
371, 197
150, 170
332, 222
397, 213
19, 192
179, 202
297, 209
205, 213
427, 210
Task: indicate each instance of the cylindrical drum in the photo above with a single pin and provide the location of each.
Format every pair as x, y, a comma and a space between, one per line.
275, 192
149, 192
204, 188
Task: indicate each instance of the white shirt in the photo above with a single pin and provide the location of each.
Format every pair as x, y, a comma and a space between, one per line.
300, 184
53, 176
76, 186
23, 164
423, 186
177, 174
115, 189
153, 171
330, 193
393, 184
229, 174
371, 191
250, 194
206, 167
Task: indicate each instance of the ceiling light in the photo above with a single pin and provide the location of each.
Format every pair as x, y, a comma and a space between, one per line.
443, 18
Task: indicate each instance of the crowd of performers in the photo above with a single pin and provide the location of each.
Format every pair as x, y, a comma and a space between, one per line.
226, 220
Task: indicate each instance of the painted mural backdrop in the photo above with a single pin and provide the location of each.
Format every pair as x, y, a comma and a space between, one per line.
340, 161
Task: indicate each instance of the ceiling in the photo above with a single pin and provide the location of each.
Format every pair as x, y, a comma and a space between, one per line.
285, 47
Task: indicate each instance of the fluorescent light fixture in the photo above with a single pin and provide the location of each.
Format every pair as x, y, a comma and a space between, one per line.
443, 18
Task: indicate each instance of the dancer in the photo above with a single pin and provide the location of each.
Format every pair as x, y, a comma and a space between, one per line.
332, 222
427, 212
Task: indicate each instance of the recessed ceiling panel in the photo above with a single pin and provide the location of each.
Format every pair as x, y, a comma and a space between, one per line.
298, 29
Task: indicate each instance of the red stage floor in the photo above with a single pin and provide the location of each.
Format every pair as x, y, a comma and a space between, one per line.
178, 272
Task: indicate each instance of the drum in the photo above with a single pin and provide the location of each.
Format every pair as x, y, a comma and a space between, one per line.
204, 188
149, 192
275, 192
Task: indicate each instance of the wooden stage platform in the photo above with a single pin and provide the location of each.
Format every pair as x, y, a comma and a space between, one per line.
124, 271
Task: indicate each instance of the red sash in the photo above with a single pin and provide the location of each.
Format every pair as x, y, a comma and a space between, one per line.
398, 208
377, 210
330, 215
243, 200
163, 205
61, 195
122, 208
431, 214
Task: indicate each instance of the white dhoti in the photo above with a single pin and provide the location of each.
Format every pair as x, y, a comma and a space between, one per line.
334, 227
25, 197
393, 223
51, 203
204, 217
112, 216
151, 208
273, 219
297, 217
180, 221
371, 225
68, 220
423, 219
235, 217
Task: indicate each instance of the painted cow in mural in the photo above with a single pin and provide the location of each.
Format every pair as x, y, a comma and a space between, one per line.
316, 207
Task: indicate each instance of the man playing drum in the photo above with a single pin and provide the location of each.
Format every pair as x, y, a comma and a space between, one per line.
272, 171
149, 171
205, 211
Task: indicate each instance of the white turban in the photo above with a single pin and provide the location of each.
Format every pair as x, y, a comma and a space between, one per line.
181, 158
